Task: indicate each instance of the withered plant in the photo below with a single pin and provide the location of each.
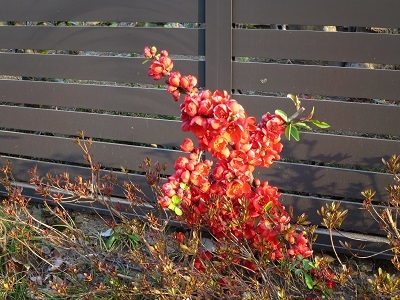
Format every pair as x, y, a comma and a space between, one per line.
387, 215
48, 249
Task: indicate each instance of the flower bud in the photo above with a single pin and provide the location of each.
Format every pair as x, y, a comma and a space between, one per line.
153, 51
177, 95
164, 201
185, 176
190, 166
187, 145
174, 79
180, 237
147, 52
234, 106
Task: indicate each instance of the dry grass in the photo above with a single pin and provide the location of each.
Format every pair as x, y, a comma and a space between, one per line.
49, 252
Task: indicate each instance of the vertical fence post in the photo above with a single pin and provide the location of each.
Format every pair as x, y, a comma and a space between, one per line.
218, 45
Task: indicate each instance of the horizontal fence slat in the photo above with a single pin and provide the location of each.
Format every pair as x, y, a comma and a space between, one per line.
110, 155
287, 176
102, 10
102, 126
328, 181
101, 68
317, 80
360, 244
340, 115
313, 45
372, 244
113, 39
334, 149
153, 101
357, 219
22, 166
89, 96
129, 210
363, 13
326, 148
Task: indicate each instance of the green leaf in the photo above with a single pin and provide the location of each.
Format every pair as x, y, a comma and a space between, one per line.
287, 131
282, 114
308, 265
309, 281
172, 207
302, 125
111, 240
178, 211
150, 24
320, 124
113, 24
267, 207
71, 23
147, 60
295, 133
184, 186
134, 238
297, 272
176, 200
257, 221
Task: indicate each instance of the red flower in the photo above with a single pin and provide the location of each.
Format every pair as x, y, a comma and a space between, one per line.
188, 82
198, 126
275, 124
206, 107
176, 95
250, 265
233, 133
218, 144
174, 79
221, 112
237, 188
191, 106
187, 145
234, 107
161, 67
164, 201
180, 237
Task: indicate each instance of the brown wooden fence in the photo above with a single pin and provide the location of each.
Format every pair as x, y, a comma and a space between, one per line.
89, 79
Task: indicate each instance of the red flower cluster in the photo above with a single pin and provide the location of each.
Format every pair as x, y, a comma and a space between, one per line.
161, 66
224, 196
326, 275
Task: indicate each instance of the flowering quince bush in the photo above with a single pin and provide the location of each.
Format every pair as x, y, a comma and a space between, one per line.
221, 194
